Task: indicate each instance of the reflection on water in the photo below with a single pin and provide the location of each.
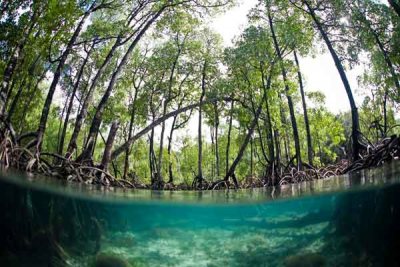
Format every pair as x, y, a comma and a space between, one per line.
342, 221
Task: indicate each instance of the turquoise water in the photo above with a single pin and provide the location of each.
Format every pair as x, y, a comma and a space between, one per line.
342, 221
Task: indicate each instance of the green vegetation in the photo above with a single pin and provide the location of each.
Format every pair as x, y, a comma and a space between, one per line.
104, 91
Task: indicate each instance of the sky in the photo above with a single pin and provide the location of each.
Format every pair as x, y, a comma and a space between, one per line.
320, 73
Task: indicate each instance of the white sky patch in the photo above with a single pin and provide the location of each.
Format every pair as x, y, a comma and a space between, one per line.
231, 23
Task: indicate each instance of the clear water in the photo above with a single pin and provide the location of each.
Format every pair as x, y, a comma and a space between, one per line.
342, 221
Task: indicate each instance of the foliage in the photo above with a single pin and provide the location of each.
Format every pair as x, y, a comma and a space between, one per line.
138, 62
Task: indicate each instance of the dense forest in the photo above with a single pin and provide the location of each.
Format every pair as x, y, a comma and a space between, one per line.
106, 91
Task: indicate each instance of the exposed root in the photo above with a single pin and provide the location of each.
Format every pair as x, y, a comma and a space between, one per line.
200, 183
220, 184
386, 150
252, 182
20, 157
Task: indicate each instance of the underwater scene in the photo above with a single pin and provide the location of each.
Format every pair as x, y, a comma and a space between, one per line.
341, 221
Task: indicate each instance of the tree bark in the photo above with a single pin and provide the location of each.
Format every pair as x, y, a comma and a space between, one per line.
97, 118
56, 78
61, 122
169, 149
251, 155
228, 144
109, 144
277, 150
71, 102
199, 131
271, 150
167, 100
88, 99
216, 126
288, 96
155, 123
355, 132
305, 113
130, 132
232, 168
385, 121
151, 157
260, 137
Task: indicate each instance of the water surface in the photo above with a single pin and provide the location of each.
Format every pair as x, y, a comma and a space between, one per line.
341, 221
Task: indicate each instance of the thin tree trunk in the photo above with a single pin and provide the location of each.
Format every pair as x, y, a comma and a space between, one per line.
251, 155
118, 151
62, 116
278, 150
285, 132
228, 145
160, 150
97, 118
216, 119
305, 113
355, 132
88, 99
320, 152
130, 132
212, 138
232, 168
151, 156
170, 173
166, 102
56, 78
288, 96
385, 121
260, 137
70, 104
266, 87
110, 141
199, 132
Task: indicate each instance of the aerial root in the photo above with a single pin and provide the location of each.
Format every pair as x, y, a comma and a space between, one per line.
200, 183
386, 150
219, 185
14, 154
21, 157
